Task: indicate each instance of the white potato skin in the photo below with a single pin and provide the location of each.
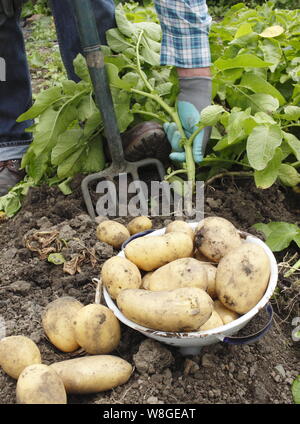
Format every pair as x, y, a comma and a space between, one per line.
113, 233
180, 310
97, 330
93, 374
184, 272
214, 321
146, 280
139, 224
57, 321
242, 277
215, 237
211, 271
17, 353
39, 384
151, 252
180, 226
119, 273
225, 314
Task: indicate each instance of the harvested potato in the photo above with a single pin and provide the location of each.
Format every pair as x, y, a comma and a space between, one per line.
151, 252
200, 257
225, 314
215, 237
180, 226
92, 374
112, 233
146, 280
211, 271
16, 353
57, 321
138, 224
214, 321
184, 272
97, 330
183, 309
39, 384
242, 277
119, 273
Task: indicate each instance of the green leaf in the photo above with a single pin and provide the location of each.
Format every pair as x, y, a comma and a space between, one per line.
95, 159
272, 52
291, 113
279, 234
267, 177
263, 228
116, 41
151, 29
211, 115
288, 175
114, 79
296, 390
122, 109
43, 101
261, 145
71, 165
67, 143
293, 142
263, 103
257, 84
65, 187
124, 26
56, 258
81, 68
243, 30
241, 61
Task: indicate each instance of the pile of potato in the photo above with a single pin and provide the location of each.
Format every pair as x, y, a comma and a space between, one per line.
186, 280
69, 325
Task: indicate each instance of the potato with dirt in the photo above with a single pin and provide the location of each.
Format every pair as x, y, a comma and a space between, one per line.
214, 321
118, 273
215, 237
242, 277
139, 224
57, 321
92, 374
39, 384
113, 233
211, 271
17, 353
97, 330
180, 226
151, 252
224, 313
184, 272
183, 309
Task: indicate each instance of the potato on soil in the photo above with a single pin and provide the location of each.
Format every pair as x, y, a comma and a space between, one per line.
57, 321
242, 277
211, 271
151, 252
225, 314
180, 226
97, 330
119, 273
92, 374
113, 233
39, 384
215, 237
183, 309
17, 353
184, 272
139, 224
214, 321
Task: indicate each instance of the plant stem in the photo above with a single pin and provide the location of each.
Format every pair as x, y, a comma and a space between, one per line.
178, 171
294, 268
296, 164
153, 115
290, 125
142, 75
228, 174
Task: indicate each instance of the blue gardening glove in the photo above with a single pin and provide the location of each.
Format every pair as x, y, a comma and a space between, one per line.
189, 117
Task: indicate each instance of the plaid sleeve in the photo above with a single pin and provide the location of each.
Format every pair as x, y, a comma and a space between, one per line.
185, 26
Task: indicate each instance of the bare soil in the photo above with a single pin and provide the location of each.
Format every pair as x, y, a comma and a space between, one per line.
258, 373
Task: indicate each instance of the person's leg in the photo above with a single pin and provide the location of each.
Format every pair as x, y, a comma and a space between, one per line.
67, 33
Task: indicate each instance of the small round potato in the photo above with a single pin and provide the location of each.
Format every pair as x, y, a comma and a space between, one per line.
39, 384
92, 374
180, 226
118, 274
214, 321
57, 321
184, 272
112, 233
151, 252
97, 330
183, 309
17, 353
215, 237
211, 271
139, 224
225, 314
242, 277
